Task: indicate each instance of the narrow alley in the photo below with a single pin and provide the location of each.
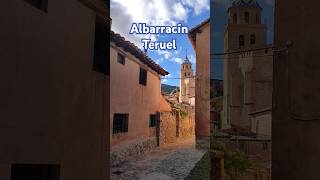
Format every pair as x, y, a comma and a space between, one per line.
174, 161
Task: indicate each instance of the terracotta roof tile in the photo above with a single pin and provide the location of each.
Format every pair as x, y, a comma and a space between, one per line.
134, 50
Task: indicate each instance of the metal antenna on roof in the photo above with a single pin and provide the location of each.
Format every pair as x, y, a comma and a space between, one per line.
186, 53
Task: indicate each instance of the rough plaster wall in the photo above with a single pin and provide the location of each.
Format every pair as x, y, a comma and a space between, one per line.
203, 83
52, 102
296, 92
128, 96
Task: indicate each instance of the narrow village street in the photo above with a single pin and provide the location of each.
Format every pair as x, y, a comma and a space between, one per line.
174, 161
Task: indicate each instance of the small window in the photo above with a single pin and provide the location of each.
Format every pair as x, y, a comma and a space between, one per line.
120, 123
246, 17
39, 4
153, 120
265, 146
143, 77
35, 172
235, 19
241, 40
121, 59
101, 53
252, 39
258, 18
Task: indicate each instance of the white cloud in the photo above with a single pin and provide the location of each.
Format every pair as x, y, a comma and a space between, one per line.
177, 60
192, 59
166, 54
152, 12
158, 61
164, 80
197, 5
181, 13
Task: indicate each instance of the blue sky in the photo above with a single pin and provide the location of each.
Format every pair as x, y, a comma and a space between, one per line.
161, 12
219, 19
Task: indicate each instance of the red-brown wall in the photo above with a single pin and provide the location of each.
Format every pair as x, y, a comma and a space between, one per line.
53, 105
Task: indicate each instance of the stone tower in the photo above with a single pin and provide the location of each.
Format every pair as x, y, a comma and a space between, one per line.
186, 82
243, 31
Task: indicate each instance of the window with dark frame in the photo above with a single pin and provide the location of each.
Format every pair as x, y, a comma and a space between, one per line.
120, 123
265, 146
121, 59
35, 172
143, 77
241, 40
252, 39
247, 17
39, 4
235, 19
258, 18
101, 61
153, 120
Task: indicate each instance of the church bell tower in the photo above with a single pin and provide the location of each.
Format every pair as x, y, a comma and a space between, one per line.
186, 76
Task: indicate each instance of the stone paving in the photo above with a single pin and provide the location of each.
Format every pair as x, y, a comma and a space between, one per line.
174, 161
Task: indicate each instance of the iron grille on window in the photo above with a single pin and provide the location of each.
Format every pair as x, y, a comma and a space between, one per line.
143, 77
153, 120
120, 123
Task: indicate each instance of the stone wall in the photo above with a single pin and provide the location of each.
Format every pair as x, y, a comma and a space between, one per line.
174, 126
254, 148
123, 152
168, 127
254, 173
186, 128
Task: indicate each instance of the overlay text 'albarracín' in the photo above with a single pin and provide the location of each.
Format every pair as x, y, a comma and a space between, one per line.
143, 28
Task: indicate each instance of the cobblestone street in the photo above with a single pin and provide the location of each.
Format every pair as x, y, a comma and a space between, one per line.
174, 161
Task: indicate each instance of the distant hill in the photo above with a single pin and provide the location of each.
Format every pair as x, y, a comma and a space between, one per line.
168, 88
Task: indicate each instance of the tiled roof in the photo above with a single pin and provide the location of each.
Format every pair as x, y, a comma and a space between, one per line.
135, 51
245, 3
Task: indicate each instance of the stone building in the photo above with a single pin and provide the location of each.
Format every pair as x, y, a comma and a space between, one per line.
200, 39
187, 83
247, 72
54, 89
135, 98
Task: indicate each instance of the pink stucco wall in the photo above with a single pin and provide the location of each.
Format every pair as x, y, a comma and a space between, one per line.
128, 96
203, 82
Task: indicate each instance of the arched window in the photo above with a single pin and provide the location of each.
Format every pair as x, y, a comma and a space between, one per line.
241, 40
246, 17
235, 18
252, 39
258, 18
